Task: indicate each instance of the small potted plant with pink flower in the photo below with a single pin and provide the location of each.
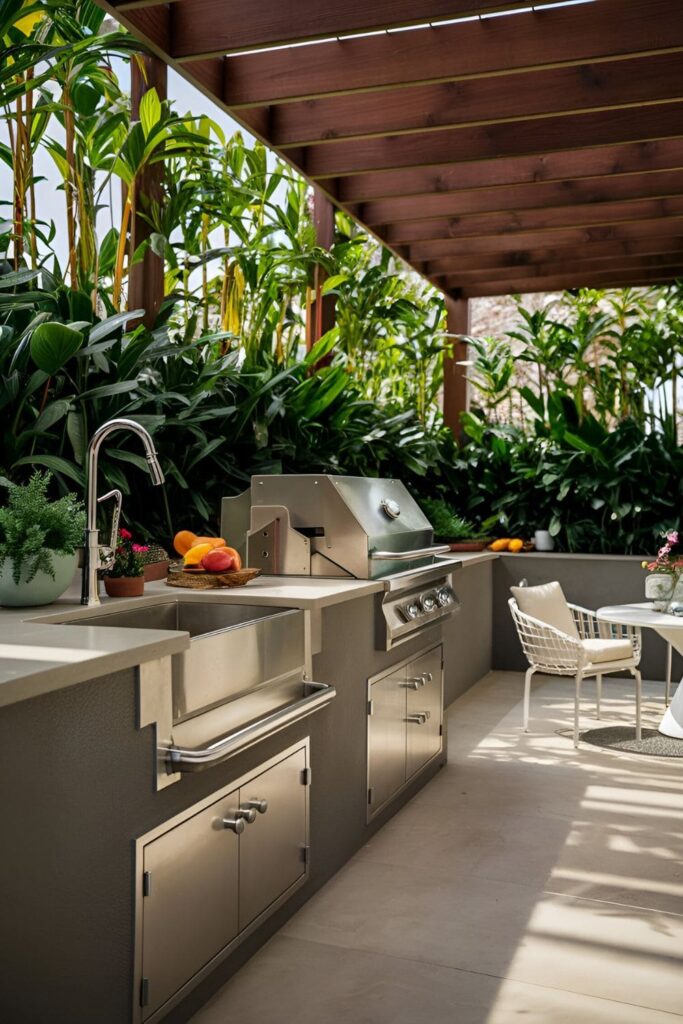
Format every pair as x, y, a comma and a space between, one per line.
126, 578
663, 585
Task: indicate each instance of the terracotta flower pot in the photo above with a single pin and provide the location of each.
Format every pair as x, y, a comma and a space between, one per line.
124, 586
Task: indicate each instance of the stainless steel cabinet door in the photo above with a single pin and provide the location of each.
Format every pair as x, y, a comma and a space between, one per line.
424, 710
272, 846
190, 913
386, 738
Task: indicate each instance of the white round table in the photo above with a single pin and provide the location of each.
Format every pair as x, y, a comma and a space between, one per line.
670, 628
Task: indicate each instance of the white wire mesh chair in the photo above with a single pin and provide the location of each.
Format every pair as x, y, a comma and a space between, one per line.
550, 651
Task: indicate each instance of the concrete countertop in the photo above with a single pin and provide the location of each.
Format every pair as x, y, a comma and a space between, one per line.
41, 652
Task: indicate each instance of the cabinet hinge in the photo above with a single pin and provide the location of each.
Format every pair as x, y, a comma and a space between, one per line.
306, 854
144, 992
146, 883
370, 794
306, 776
371, 707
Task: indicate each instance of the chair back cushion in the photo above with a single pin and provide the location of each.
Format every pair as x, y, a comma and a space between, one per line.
547, 603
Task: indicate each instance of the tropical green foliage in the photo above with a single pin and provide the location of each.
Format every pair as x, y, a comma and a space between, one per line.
585, 443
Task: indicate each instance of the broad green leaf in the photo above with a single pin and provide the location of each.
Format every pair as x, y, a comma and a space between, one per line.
53, 344
54, 463
150, 111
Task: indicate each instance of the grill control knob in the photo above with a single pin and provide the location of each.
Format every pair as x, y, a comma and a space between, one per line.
444, 596
411, 610
428, 602
391, 508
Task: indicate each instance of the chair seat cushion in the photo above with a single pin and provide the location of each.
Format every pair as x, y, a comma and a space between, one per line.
607, 650
547, 603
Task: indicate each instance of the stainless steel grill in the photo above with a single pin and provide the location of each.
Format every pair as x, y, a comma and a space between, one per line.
353, 527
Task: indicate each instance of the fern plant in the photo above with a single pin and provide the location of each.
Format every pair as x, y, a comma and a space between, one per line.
33, 528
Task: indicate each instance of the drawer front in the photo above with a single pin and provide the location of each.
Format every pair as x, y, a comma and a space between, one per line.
190, 912
424, 711
386, 738
273, 846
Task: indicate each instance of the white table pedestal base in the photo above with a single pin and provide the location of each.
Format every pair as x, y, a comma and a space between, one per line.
672, 723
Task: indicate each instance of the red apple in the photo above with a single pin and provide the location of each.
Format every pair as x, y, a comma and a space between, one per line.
218, 561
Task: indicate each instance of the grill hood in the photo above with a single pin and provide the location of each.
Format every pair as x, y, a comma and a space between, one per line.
322, 525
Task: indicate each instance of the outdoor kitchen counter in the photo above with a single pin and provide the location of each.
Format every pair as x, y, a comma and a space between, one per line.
39, 656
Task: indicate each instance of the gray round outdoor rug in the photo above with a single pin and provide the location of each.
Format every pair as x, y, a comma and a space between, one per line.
619, 737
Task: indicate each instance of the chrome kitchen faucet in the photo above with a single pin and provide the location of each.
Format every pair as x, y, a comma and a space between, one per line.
95, 556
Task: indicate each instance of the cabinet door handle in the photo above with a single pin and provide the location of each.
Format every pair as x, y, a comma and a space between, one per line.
419, 717
235, 824
257, 805
428, 677
247, 813
414, 684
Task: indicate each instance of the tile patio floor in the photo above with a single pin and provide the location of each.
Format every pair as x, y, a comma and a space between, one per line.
526, 882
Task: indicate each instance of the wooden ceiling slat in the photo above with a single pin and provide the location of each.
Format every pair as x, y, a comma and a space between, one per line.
523, 197
613, 279
560, 35
620, 83
209, 26
508, 222
571, 237
596, 253
605, 161
627, 264
495, 141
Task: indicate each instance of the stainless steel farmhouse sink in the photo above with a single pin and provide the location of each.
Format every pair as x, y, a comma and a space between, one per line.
243, 676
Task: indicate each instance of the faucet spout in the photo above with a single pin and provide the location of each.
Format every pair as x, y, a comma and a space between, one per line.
91, 562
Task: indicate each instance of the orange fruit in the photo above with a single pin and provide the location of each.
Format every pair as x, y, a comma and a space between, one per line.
196, 553
184, 540
215, 542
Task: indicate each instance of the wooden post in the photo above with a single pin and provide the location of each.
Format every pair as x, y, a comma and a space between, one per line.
454, 376
146, 278
320, 313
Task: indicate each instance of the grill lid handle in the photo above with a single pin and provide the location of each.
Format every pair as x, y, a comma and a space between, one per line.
408, 556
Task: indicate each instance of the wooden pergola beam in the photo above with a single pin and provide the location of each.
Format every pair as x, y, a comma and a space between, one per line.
209, 26
545, 195
454, 373
509, 222
597, 254
603, 161
496, 141
559, 35
611, 279
573, 238
630, 82
321, 310
146, 277
571, 267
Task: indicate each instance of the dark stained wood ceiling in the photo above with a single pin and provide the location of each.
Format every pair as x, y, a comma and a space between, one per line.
497, 149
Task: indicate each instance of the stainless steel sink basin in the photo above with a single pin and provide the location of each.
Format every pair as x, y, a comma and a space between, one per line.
234, 649
198, 618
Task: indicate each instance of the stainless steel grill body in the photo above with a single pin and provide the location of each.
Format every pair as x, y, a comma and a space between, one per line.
353, 527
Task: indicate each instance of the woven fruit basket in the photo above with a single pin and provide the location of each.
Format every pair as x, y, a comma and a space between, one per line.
200, 579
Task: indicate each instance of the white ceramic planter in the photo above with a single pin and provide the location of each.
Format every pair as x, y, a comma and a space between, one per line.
42, 589
659, 588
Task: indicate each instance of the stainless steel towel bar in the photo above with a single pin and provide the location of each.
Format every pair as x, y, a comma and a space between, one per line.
179, 759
